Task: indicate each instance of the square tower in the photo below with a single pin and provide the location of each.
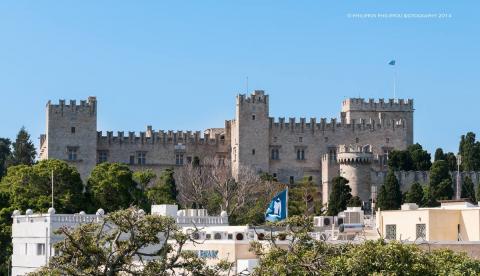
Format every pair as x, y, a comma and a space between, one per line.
71, 134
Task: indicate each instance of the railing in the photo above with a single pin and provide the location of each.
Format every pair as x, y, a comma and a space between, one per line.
203, 220
57, 218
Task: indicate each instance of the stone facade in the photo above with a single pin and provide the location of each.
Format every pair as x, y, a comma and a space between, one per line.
289, 150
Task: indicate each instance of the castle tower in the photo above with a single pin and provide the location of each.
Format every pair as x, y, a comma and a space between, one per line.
330, 169
250, 132
394, 112
355, 166
71, 134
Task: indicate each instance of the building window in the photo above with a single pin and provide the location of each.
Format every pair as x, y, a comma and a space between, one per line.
132, 159
72, 130
300, 154
274, 175
234, 154
391, 231
72, 153
275, 155
292, 180
217, 236
208, 236
300, 139
421, 230
357, 140
189, 159
253, 117
179, 159
275, 139
253, 151
387, 140
40, 249
141, 160
230, 236
102, 156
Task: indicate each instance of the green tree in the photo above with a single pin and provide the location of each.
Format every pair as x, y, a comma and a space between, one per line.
400, 160
29, 187
5, 153
163, 191
469, 149
304, 255
420, 157
23, 149
415, 194
112, 188
88, 250
440, 181
339, 196
468, 190
304, 198
439, 155
390, 195
355, 201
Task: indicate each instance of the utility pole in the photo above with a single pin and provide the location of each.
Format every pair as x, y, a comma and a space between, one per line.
459, 160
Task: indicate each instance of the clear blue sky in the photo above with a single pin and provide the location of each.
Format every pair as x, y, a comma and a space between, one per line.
179, 64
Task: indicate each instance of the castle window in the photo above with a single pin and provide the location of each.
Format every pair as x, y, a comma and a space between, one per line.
300, 139
234, 154
292, 180
253, 151
357, 140
253, 117
179, 159
275, 154
189, 159
102, 156
275, 139
274, 175
72, 130
300, 154
72, 153
141, 157
325, 139
132, 159
387, 140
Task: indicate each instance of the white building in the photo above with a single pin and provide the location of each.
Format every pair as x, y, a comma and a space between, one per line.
33, 234
33, 237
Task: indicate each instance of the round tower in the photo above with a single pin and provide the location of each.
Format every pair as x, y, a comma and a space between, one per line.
355, 165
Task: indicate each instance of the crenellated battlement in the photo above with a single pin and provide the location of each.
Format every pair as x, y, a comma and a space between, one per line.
161, 137
89, 105
258, 96
360, 104
353, 154
331, 125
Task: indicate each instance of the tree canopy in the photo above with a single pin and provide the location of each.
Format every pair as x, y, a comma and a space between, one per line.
339, 196
163, 191
390, 195
303, 255
440, 185
414, 158
111, 187
468, 190
23, 149
415, 194
5, 153
469, 149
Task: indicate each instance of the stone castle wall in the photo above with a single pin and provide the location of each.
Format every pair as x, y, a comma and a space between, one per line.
247, 140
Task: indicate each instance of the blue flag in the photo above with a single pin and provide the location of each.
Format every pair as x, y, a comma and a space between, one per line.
391, 62
277, 209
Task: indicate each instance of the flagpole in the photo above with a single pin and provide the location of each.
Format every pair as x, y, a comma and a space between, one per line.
394, 82
286, 209
52, 188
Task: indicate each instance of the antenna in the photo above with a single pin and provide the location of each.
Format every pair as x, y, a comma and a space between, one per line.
52, 188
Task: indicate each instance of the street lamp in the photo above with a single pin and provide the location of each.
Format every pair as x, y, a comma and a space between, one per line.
459, 160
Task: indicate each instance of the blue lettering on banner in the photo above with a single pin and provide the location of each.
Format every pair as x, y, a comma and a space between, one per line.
208, 254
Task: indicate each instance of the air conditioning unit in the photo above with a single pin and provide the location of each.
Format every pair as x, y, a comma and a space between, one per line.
323, 221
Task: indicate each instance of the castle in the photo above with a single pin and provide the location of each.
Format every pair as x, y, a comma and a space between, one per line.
356, 146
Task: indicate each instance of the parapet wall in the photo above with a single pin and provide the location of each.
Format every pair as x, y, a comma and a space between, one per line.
359, 104
333, 124
89, 106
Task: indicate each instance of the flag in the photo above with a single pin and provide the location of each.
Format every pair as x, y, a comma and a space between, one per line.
277, 209
391, 62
